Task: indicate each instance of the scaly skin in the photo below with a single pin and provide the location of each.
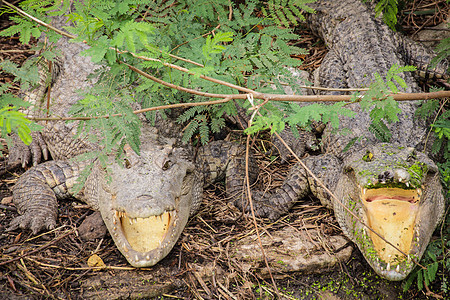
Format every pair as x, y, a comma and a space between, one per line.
360, 45
147, 203
386, 183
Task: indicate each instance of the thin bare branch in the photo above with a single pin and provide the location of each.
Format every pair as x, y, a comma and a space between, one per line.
237, 87
226, 98
135, 112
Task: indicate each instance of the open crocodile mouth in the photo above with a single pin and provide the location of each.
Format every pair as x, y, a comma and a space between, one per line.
392, 213
145, 234
140, 237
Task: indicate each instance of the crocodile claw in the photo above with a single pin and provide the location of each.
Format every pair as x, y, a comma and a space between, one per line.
33, 221
27, 154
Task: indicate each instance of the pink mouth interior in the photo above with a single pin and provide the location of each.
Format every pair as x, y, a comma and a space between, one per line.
399, 198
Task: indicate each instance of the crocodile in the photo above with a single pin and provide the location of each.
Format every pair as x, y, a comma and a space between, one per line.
393, 187
146, 200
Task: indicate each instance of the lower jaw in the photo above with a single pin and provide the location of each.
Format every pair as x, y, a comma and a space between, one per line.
394, 220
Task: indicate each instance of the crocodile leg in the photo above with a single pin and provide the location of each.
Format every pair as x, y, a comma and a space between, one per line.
294, 187
28, 154
37, 190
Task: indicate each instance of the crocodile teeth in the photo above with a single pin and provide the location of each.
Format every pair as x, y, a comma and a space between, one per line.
136, 257
147, 257
125, 248
397, 269
388, 267
409, 258
407, 184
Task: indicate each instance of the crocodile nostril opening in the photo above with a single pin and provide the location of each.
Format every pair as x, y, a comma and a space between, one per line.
386, 176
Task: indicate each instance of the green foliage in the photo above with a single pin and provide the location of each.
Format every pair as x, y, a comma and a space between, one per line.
231, 47
443, 50
441, 131
12, 120
27, 75
215, 44
389, 8
328, 114
26, 28
286, 12
272, 117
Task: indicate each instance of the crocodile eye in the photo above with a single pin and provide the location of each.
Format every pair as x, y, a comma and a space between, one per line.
167, 164
412, 156
368, 156
127, 163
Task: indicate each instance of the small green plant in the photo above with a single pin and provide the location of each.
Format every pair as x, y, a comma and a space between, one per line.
443, 51
11, 119
389, 9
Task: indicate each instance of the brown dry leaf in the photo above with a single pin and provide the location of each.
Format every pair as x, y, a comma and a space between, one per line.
95, 261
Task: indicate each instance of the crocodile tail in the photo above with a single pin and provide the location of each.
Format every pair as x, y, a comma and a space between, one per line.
420, 56
274, 205
235, 175
197, 192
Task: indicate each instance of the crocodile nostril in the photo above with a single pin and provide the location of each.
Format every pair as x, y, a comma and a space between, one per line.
385, 176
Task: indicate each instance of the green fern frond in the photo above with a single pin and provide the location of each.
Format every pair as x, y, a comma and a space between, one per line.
443, 50
285, 12
190, 130
389, 9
